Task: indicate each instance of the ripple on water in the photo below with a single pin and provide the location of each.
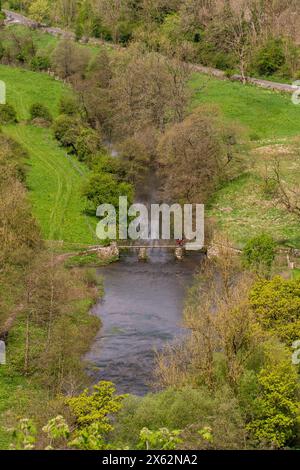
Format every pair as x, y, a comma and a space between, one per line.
140, 313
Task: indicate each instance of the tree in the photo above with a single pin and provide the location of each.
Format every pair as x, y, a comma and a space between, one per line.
286, 194
39, 10
240, 41
276, 408
93, 414
276, 303
68, 59
103, 188
111, 12
88, 143
136, 160
259, 253
147, 90
64, 11
192, 159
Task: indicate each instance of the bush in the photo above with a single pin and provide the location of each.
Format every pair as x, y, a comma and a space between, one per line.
277, 305
68, 105
259, 253
40, 63
40, 111
8, 114
269, 58
276, 408
88, 143
105, 189
66, 130
189, 409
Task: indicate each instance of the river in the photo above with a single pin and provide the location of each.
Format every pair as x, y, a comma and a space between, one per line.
141, 312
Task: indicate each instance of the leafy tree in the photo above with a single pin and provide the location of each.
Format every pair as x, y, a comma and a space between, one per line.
93, 413
276, 408
276, 303
68, 59
259, 253
40, 62
270, 57
39, 10
192, 159
88, 143
105, 189
67, 130
136, 160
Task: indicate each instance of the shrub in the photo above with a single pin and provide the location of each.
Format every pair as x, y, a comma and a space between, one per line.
40, 63
276, 407
93, 413
40, 111
259, 253
87, 143
189, 409
277, 305
269, 58
68, 105
8, 114
105, 189
66, 130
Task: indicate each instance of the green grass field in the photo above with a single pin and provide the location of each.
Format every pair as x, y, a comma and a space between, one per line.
54, 178
264, 114
268, 118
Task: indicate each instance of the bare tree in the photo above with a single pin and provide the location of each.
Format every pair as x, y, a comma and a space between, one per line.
288, 195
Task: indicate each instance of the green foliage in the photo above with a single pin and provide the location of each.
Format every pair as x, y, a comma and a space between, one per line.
96, 407
269, 58
8, 114
188, 408
72, 133
259, 253
103, 188
163, 439
56, 428
88, 143
277, 305
40, 111
276, 408
93, 413
68, 105
66, 130
24, 436
40, 62
87, 260
39, 10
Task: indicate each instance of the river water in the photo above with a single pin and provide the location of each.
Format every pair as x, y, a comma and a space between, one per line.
141, 312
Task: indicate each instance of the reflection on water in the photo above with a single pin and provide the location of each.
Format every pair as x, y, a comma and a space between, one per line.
141, 311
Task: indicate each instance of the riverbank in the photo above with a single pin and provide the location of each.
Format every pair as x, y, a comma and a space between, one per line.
35, 393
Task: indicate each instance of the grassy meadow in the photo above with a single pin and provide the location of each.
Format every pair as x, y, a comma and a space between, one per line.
271, 122
54, 177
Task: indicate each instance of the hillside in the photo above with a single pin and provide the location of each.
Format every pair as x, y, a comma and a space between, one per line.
272, 123
54, 177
